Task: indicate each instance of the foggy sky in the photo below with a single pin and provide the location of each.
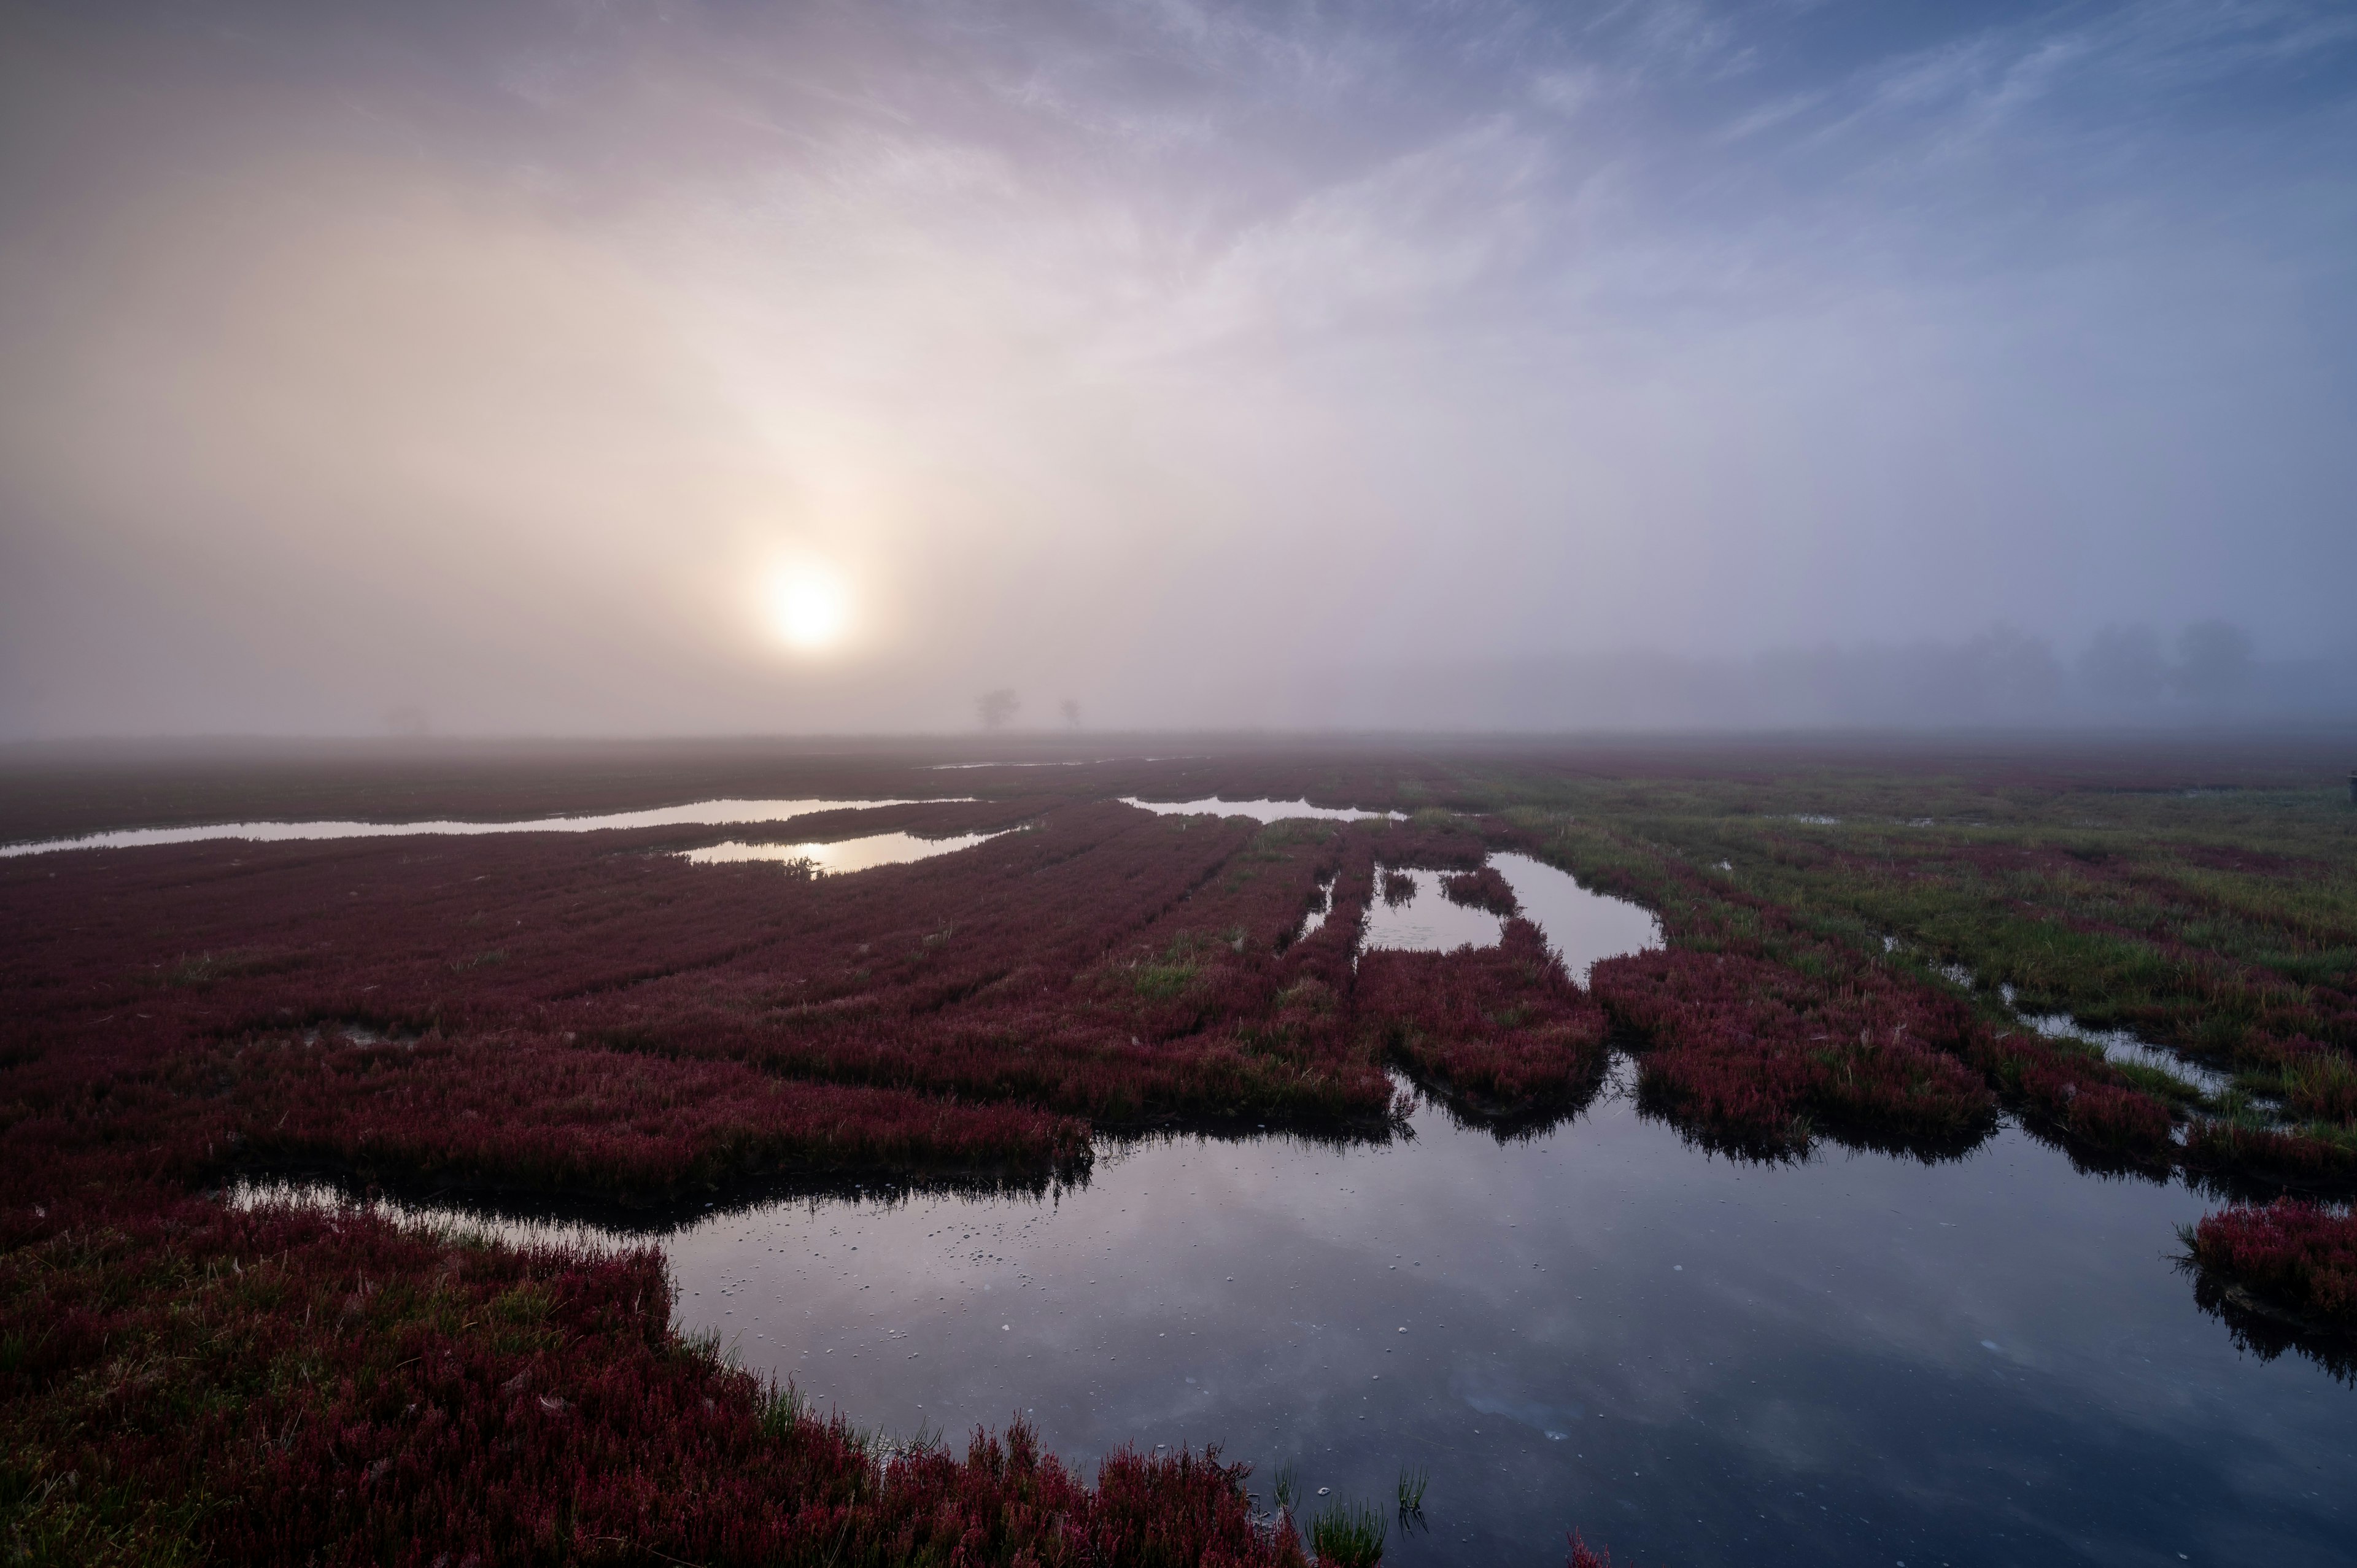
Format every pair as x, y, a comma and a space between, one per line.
1519, 364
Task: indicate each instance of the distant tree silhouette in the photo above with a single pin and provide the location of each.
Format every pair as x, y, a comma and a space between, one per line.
2214, 661
1072, 712
997, 708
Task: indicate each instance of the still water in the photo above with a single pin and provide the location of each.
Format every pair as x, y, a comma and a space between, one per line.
841, 857
1581, 927
1858, 1360
697, 813
1258, 810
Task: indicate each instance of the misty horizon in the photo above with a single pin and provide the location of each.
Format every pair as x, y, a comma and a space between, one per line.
532, 370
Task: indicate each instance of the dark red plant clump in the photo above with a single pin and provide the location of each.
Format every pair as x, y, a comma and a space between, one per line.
2079, 1095
1497, 1030
1484, 889
1755, 1056
2293, 1257
529, 1112
2235, 1150
289, 1387
590, 1011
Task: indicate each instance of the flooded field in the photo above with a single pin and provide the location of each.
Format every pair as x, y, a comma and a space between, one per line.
1722, 1185
841, 857
1858, 1359
699, 813
1580, 925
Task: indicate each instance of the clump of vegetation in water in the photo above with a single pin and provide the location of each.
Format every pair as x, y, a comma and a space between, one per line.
1411, 1490
1347, 1535
1585, 1556
1754, 1057
1484, 889
2291, 1257
1499, 1030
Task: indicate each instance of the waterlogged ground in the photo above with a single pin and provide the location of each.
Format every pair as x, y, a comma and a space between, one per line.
1581, 927
1858, 1360
841, 857
699, 813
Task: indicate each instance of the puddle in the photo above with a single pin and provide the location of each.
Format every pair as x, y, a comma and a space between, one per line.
2120, 1046
1858, 1359
2117, 1045
1315, 921
1580, 925
846, 856
700, 813
1425, 921
1259, 811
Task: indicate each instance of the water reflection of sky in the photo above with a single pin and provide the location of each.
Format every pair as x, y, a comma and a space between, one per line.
1582, 927
1858, 1359
695, 813
1258, 810
844, 855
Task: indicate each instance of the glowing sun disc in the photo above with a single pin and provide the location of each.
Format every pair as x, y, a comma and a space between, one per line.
809, 608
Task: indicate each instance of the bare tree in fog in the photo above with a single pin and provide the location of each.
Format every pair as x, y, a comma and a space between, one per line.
997, 708
1072, 712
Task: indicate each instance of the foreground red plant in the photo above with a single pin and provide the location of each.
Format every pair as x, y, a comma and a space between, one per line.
187, 1381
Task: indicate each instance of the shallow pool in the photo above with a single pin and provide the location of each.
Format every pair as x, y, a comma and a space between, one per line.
1580, 925
1859, 1359
697, 813
842, 855
1258, 810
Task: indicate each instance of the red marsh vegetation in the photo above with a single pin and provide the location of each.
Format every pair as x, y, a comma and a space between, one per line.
2283, 1275
1755, 1056
183, 1381
2298, 1257
590, 1013
1482, 889
1500, 1033
188, 1381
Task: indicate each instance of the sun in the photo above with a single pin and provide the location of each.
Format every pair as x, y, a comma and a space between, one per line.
810, 609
